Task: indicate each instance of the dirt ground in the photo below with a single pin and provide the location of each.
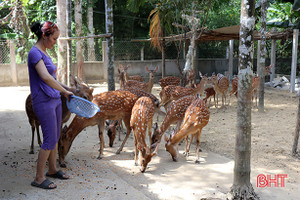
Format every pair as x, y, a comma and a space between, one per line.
116, 177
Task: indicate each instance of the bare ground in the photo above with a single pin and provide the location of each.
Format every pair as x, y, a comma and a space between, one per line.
116, 177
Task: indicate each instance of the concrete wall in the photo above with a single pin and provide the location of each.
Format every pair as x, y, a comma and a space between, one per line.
96, 71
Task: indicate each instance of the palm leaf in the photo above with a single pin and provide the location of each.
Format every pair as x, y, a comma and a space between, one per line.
155, 28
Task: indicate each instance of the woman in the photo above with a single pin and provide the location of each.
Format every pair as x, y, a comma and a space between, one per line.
45, 94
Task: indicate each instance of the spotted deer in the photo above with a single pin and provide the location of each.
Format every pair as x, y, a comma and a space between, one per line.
112, 127
78, 88
234, 88
254, 87
147, 87
195, 118
175, 114
221, 85
172, 92
141, 119
209, 93
127, 77
172, 80
113, 105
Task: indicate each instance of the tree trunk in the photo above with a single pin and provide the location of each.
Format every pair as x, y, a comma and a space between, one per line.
110, 43
91, 48
262, 60
296, 137
163, 60
70, 69
79, 43
242, 188
62, 44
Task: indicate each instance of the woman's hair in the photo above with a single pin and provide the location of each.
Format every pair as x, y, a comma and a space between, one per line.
47, 28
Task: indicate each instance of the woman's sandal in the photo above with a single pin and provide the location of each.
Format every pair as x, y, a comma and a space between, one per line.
45, 184
59, 174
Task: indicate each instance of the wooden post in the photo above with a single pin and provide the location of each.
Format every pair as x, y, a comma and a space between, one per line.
13, 65
163, 60
294, 59
104, 59
230, 59
142, 54
273, 60
258, 56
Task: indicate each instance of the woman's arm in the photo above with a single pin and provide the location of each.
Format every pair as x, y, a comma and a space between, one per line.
49, 80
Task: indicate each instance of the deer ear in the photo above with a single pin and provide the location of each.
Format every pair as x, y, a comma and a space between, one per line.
153, 154
147, 69
128, 66
156, 68
73, 81
121, 66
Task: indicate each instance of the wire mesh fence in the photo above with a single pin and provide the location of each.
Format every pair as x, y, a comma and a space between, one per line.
4, 52
92, 50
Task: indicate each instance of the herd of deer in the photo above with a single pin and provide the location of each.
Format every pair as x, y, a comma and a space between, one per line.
135, 105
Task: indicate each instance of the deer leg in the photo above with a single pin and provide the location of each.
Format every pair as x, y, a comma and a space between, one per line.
126, 121
101, 138
198, 134
189, 146
32, 140
135, 151
186, 145
217, 101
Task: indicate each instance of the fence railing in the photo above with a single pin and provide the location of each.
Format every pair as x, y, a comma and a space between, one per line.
137, 50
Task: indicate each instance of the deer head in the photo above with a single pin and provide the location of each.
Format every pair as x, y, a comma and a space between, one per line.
112, 131
145, 157
171, 148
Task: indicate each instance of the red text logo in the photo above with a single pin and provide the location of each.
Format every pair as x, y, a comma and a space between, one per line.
271, 180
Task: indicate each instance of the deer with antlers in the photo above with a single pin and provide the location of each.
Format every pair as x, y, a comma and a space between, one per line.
141, 119
113, 105
126, 76
221, 85
147, 87
195, 118
78, 88
172, 92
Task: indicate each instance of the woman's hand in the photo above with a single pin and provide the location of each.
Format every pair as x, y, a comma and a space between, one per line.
67, 94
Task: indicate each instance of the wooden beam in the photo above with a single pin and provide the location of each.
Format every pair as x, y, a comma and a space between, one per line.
85, 37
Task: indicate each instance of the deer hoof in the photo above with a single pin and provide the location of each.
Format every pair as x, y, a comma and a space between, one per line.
118, 152
197, 161
186, 154
99, 157
63, 165
31, 152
